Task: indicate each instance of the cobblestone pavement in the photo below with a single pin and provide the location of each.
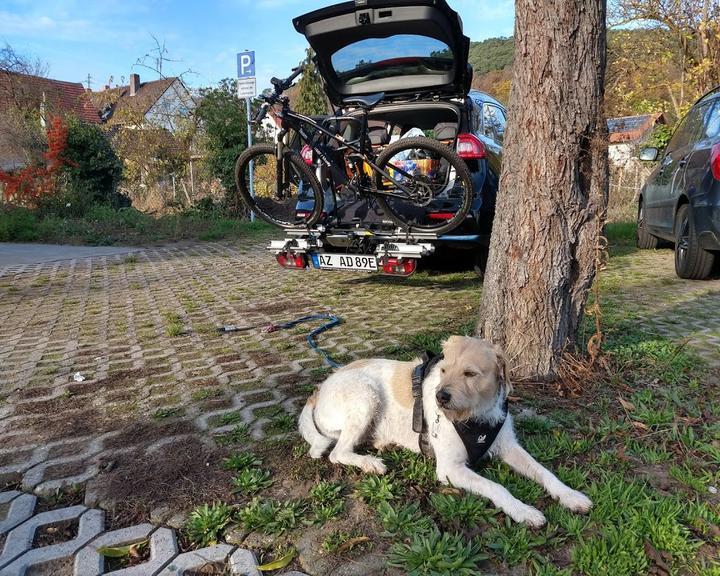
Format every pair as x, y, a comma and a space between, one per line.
120, 354
641, 286
79, 556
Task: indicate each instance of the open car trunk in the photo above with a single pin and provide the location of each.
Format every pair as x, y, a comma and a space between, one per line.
400, 48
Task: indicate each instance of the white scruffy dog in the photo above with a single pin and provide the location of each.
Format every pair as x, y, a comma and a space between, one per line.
372, 399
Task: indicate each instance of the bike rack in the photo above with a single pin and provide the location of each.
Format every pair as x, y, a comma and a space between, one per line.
396, 244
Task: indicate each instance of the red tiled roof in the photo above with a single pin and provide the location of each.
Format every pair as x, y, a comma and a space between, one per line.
119, 99
632, 128
55, 95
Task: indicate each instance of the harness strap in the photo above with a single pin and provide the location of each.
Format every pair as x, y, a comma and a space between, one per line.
419, 424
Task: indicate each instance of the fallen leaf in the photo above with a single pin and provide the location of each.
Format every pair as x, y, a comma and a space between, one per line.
279, 563
347, 545
121, 551
629, 406
640, 425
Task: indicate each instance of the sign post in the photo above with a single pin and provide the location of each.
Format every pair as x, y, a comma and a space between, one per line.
247, 90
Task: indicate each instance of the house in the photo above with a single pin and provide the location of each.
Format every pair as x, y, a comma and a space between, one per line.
160, 102
627, 132
22, 93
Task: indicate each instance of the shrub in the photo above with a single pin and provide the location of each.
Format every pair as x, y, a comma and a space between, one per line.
93, 172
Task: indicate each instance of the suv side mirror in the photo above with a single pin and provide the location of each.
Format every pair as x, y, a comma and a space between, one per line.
649, 154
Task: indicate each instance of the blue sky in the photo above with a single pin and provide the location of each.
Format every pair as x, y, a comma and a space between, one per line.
105, 38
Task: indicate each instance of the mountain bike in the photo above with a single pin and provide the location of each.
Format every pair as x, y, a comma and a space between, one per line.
406, 177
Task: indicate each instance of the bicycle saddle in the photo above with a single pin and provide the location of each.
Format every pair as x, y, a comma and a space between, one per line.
369, 101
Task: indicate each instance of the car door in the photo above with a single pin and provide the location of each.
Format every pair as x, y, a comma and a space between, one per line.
698, 162
492, 132
669, 180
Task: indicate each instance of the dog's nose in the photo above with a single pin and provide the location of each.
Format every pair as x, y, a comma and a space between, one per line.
442, 396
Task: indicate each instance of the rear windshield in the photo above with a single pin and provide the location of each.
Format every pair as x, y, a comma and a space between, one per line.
399, 55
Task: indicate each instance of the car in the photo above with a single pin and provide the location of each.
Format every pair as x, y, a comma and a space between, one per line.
416, 55
680, 201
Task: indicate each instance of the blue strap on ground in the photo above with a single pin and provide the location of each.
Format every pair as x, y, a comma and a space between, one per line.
333, 321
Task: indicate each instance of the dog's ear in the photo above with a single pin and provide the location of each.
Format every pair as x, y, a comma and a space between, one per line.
503, 371
451, 344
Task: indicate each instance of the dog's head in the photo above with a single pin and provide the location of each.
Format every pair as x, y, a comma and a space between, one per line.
470, 376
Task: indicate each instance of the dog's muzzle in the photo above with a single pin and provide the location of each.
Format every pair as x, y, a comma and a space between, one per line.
443, 397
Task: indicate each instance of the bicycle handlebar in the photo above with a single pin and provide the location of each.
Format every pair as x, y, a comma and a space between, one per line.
280, 87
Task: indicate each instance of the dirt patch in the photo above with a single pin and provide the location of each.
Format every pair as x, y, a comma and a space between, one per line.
124, 376
230, 358
65, 470
84, 421
15, 457
82, 389
187, 474
66, 450
265, 358
61, 499
144, 433
34, 392
55, 533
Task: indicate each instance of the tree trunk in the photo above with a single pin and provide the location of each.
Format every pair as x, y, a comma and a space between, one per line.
553, 186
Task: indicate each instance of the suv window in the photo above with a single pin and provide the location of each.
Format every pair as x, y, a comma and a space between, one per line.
712, 122
493, 122
688, 130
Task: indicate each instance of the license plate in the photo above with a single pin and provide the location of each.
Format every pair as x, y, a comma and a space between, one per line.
348, 262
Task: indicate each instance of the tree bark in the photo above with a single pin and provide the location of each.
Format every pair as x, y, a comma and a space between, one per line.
553, 187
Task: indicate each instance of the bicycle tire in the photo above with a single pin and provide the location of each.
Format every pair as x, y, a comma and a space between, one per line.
290, 207
462, 173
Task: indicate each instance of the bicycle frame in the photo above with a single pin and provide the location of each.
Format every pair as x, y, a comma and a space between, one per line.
293, 120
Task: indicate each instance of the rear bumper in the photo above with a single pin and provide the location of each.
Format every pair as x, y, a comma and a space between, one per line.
706, 218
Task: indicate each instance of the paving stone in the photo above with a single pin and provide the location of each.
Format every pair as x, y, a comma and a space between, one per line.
89, 562
197, 559
244, 563
163, 548
18, 554
20, 509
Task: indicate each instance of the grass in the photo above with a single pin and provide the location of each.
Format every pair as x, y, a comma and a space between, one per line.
206, 524
104, 226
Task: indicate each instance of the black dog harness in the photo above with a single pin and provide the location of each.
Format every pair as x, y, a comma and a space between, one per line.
477, 435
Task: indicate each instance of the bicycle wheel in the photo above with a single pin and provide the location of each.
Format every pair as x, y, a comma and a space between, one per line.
437, 176
296, 203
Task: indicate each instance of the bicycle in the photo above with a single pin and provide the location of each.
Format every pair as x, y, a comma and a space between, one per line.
420, 183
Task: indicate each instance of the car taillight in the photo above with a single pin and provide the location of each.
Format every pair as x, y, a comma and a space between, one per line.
441, 215
307, 154
290, 260
399, 266
715, 161
470, 147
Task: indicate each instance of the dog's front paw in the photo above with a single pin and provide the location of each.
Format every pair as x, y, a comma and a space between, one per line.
528, 515
373, 465
575, 501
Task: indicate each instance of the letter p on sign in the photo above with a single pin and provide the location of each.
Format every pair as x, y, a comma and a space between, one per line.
246, 64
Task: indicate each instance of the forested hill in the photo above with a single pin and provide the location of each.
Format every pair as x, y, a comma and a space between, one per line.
644, 72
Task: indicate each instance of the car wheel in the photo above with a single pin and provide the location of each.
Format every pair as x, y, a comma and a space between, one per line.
644, 239
691, 261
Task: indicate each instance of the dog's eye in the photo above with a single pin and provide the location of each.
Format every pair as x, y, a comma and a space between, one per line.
442, 370
470, 374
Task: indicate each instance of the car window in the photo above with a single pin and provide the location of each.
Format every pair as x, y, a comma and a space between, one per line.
688, 130
711, 126
493, 123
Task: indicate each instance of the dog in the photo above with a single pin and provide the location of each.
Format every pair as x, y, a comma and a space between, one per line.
467, 386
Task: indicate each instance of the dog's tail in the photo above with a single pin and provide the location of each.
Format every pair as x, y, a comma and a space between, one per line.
309, 430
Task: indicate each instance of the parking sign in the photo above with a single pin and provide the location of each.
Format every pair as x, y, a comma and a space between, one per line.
246, 64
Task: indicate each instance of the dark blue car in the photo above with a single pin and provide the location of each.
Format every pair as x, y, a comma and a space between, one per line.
680, 202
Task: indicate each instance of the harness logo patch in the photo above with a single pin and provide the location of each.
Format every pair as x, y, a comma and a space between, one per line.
481, 439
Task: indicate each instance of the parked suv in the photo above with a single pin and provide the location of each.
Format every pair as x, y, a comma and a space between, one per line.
680, 202
416, 55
